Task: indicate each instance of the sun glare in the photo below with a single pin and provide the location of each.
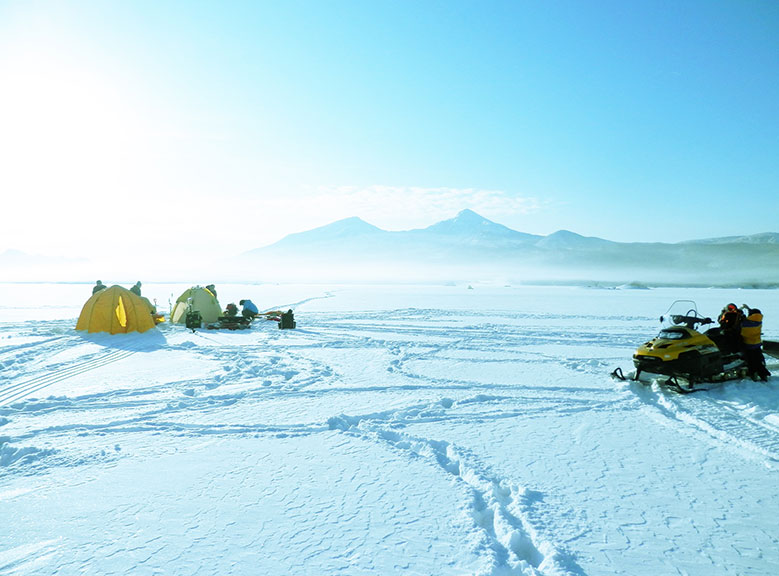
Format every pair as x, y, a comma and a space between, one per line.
67, 131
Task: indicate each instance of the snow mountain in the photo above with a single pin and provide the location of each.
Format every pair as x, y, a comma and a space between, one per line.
471, 228
356, 237
342, 231
471, 246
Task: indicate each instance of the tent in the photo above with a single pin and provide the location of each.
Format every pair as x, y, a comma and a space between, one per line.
196, 299
115, 310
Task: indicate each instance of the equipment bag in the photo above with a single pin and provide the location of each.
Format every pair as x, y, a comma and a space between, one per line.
287, 320
193, 320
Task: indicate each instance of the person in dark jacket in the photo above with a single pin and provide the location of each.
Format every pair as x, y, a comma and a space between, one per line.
730, 327
751, 335
211, 288
98, 287
136, 289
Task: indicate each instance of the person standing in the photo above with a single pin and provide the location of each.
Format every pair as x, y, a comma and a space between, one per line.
98, 287
730, 327
136, 289
751, 335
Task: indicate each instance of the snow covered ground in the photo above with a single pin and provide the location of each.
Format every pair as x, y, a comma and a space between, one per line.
430, 430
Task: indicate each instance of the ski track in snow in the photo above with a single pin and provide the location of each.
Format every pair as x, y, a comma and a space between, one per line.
503, 514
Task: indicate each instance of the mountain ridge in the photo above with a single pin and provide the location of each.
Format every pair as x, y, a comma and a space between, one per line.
470, 245
468, 224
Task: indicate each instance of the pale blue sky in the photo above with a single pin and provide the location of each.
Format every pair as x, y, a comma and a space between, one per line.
632, 121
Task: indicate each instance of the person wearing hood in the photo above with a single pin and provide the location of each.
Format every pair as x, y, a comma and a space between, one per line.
136, 289
98, 287
752, 338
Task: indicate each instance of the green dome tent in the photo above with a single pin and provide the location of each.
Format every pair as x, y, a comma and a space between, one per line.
196, 299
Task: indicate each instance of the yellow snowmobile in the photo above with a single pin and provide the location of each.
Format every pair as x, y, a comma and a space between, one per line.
686, 355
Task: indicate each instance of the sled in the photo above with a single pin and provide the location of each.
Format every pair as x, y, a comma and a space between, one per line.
230, 323
771, 348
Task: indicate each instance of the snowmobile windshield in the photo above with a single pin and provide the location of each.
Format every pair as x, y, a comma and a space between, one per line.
682, 313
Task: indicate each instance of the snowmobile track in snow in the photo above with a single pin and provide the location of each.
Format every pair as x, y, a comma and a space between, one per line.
21, 390
733, 422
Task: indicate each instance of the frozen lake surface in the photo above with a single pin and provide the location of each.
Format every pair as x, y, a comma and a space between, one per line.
430, 430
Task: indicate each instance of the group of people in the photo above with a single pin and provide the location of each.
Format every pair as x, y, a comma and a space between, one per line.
248, 309
741, 330
135, 289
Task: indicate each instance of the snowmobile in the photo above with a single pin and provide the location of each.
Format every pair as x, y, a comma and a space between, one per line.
687, 356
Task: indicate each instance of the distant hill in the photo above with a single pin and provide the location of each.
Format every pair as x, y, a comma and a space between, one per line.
566, 239
16, 265
342, 231
470, 245
16, 258
764, 238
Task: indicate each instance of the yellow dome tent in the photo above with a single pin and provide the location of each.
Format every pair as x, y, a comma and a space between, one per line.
196, 299
115, 310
